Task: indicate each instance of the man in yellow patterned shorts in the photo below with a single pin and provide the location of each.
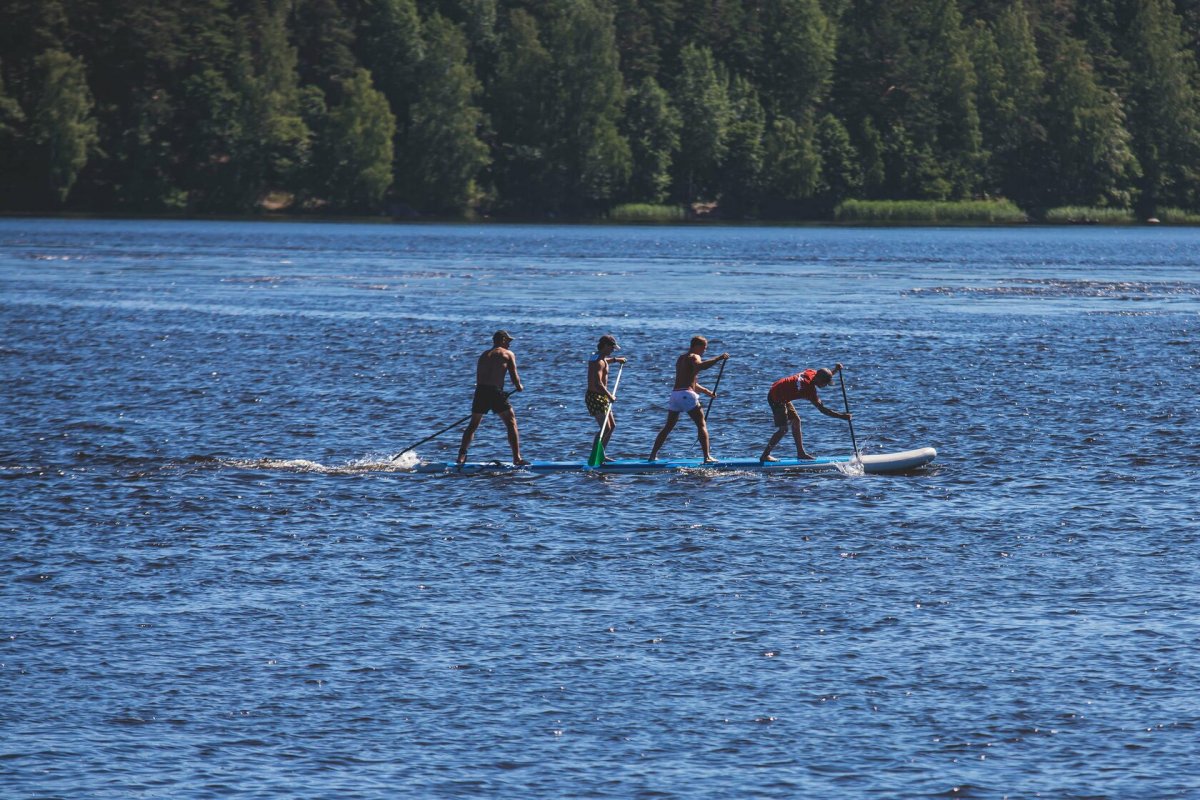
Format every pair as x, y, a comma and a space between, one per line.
598, 398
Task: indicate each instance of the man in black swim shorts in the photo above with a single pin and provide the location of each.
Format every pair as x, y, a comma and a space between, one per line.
490, 395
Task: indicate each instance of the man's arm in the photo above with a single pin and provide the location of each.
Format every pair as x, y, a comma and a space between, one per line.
594, 377
512, 371
706, 364
829, 412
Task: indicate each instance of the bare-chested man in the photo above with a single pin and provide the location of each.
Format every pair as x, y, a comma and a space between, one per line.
598, 398
686, 396
490, 395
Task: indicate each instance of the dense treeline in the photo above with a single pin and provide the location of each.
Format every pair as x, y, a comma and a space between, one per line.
777, 108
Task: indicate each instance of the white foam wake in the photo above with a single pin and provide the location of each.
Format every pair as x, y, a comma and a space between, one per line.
372, 462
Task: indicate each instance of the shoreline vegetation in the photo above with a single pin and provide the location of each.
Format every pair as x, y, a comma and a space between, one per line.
641, 111
904, 213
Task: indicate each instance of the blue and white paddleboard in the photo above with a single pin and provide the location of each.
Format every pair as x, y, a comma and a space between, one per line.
875, 464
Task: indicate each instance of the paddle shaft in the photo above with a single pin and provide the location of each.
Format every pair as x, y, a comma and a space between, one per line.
846, 400
716, 386
451, 426
616, 385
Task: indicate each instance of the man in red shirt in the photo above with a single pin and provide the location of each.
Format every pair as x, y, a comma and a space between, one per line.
802, 385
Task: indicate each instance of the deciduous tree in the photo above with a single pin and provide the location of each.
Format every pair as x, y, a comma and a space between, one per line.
62, 124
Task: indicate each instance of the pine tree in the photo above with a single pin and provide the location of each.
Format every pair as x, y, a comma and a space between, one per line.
799, 50
639, 52
1093, 163
12, 129
280, 141
938, 82
871, 152
358, 143
841, 168
906, 69
1011, 102
392, 48
703, 102
210, 140
443, 154
741, 175
793, 164
589, 149
652, 127
325, 40
520, 106
1164, 115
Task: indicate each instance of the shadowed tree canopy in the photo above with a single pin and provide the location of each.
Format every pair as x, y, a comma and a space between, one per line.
567, 107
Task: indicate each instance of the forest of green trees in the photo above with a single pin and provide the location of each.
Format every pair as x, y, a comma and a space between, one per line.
566, 108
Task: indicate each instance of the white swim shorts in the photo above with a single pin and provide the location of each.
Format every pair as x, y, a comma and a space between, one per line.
683, 401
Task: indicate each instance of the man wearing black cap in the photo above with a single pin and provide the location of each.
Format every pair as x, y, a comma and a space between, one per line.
598, 398
801, 386
490, 394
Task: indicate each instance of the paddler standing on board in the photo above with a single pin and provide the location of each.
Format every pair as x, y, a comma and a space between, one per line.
802, 385
490, 394
685, 398
598, 398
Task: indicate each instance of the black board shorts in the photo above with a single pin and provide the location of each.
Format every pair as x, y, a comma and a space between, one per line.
490, 398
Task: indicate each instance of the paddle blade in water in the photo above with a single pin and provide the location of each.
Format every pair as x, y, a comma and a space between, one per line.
597, 456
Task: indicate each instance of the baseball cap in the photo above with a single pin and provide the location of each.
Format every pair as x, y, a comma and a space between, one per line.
608, 339
501, 336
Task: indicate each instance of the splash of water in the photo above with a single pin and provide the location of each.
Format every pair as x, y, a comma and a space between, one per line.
853, 467
371, 462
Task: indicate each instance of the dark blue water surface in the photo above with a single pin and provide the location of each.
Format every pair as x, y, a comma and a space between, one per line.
214, 583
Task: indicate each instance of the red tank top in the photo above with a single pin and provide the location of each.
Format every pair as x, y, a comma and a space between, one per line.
794, 387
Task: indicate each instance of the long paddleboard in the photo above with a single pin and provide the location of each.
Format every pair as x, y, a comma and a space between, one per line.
875, 464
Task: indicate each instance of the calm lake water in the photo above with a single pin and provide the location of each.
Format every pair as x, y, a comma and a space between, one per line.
215, 584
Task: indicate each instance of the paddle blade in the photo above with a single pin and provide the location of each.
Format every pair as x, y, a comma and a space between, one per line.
597, 456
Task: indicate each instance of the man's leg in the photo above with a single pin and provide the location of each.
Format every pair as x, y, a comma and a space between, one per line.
766, 453
672, 418
697, 415
796, 434
612, 426
514, 438
468, 434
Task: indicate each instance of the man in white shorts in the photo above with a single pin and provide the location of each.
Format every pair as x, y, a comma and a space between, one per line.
685, 399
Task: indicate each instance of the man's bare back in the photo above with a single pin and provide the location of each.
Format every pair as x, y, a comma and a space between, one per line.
491, 397
493, 365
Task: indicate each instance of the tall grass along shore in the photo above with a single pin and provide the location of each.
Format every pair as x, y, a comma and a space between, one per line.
929, 211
